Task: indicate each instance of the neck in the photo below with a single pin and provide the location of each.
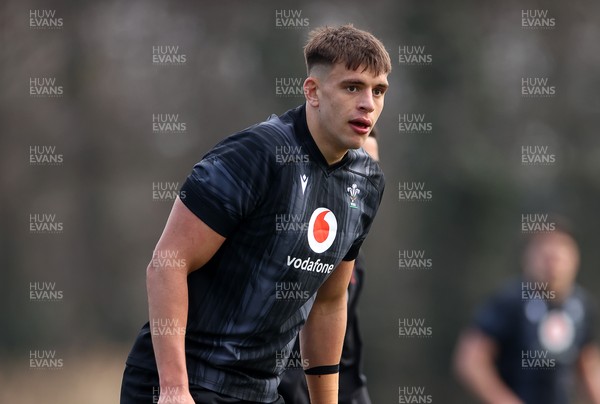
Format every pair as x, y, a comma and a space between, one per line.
563, 294
330, 152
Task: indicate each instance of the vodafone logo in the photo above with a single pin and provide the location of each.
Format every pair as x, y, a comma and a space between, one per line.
322, 229
557, 331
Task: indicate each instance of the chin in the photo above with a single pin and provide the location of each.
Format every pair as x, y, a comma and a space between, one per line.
355, 145
357, 141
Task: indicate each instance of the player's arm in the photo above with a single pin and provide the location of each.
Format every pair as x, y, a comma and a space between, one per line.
322, 336
474, 366
193, 243
589, 368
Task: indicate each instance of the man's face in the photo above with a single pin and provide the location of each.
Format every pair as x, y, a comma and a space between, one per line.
553, 258
349, 104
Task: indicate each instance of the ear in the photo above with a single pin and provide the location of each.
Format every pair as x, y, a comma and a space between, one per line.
311, 84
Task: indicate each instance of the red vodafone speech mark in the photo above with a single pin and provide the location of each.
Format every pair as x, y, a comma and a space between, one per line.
321, 229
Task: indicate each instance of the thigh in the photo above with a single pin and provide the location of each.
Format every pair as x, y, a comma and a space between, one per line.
360, 396
293, 387
139, 386
204, 396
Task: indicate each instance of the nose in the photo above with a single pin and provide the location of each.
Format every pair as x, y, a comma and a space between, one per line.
367, 102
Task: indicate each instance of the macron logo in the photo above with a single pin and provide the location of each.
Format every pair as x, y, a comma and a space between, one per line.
304, 180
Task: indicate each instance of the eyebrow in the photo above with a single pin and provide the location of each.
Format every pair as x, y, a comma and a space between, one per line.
361, 83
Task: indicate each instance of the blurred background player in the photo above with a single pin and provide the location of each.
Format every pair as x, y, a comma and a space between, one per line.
353, 389
530, 340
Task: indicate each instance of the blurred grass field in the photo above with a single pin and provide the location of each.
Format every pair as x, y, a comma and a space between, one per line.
85, 378
95, 378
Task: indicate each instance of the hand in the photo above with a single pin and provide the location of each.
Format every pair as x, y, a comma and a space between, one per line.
176, 394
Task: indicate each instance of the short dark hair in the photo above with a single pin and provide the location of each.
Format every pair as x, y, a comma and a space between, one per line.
348, 45
561, 225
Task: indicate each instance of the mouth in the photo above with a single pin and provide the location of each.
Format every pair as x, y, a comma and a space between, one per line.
361, 125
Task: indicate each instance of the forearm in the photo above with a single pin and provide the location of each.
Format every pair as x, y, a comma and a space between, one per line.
474, 365
593, 386
168, 308
488, 387
589, 366
321, 343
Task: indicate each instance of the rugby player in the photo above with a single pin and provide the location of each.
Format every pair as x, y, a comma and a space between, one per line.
216, 328
532, 339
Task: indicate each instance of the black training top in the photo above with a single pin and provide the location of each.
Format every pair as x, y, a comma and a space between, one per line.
293, 386
289, 219
539, 339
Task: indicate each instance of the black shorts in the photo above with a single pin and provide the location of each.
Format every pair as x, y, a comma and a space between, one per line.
294, 390
140, 386
360, 396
